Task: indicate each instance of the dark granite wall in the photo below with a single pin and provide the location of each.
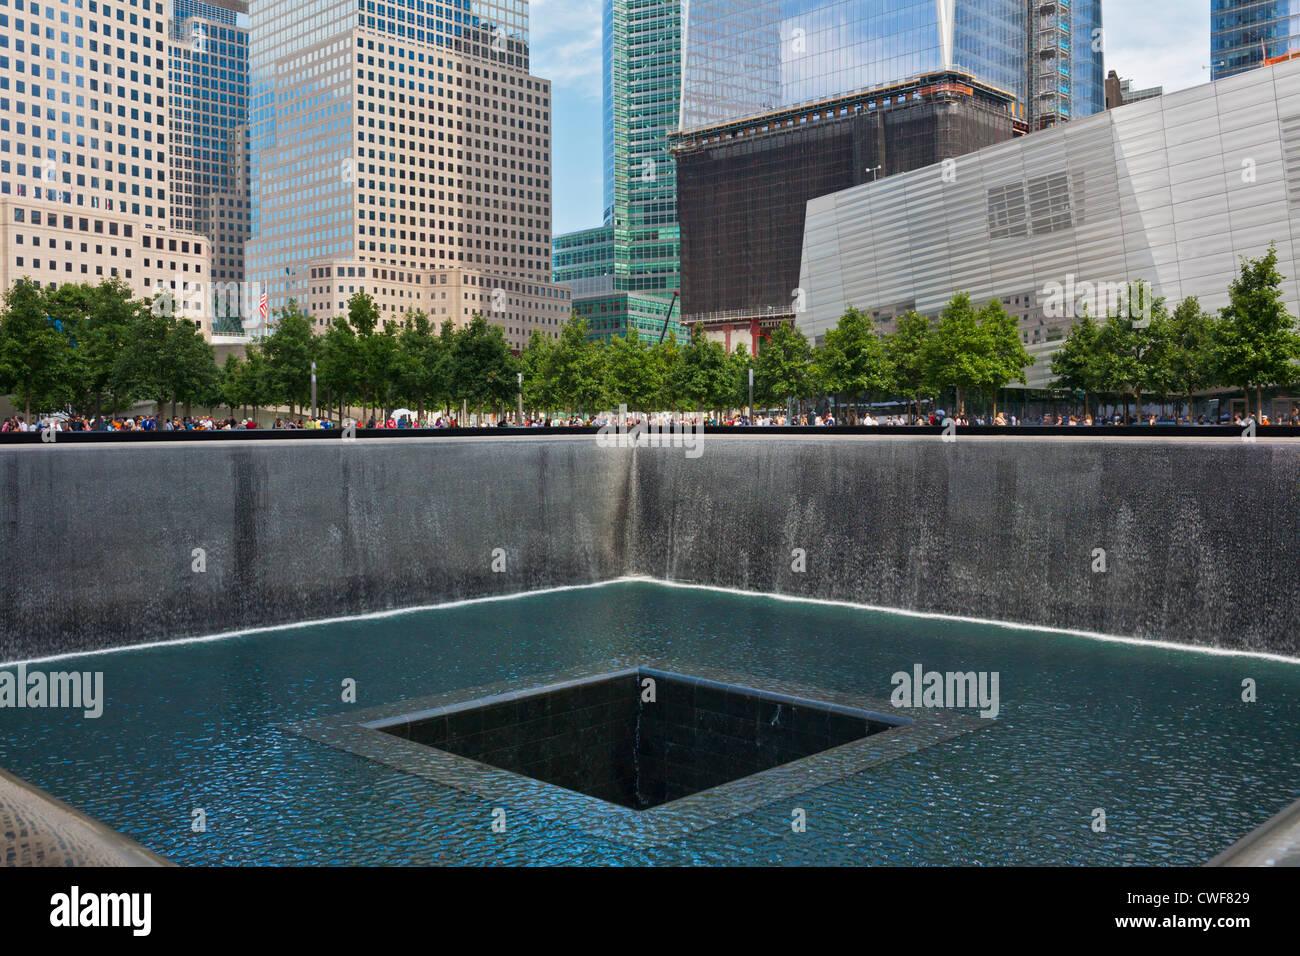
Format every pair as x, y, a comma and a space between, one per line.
697, 735
96, 542
581, 737
1201, 538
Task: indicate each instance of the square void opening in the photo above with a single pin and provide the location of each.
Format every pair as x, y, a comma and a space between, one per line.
639, 738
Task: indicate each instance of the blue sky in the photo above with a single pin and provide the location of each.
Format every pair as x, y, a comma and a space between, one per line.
1155, 42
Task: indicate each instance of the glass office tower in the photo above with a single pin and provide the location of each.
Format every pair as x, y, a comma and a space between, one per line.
640, 239
642, 87
746, 59
207, 112
208, 85
1244, 33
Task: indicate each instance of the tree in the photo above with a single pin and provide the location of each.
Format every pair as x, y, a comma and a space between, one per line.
289, 351
666, 358
851, 361
254, 385
630, 373
541, 391
580, 377
379, 366
907, 351
485, 371
419, 363
189, 372
783, 371
105, 334
145, 365
1077, 363
1002, 350
34, 355
362, 314
229, 384
340, 363
72, 309
1256, 342
1190, 355
739, 365
447, 358
956, 350
703, 377
1132, 355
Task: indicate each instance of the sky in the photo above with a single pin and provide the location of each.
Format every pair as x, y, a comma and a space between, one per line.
1153, 42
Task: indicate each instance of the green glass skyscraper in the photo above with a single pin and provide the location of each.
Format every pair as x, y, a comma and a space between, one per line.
639, 264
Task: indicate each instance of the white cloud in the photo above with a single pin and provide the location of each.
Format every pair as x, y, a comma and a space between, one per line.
1158, 42
566, 44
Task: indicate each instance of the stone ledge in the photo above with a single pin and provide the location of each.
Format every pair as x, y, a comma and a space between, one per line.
38, 830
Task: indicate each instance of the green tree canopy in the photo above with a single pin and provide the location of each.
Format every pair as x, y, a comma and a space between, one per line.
851, 360
35, 359
784, 368
1256, 342
908, 351
289, 351
704, 377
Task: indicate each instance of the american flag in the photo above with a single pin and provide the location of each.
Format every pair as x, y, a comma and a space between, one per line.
261, 307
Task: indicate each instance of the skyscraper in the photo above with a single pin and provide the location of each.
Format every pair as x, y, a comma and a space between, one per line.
207, 48
745, 59
640, 240
787, 100
402, 150
1245, 33
84, 151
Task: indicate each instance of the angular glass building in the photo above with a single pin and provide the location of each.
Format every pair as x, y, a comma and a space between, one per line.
1245, 33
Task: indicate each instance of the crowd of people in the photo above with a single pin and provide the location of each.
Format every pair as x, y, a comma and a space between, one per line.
437, 420
124, 423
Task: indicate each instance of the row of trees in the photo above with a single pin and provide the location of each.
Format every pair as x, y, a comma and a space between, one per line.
380, 366
97, 349
1251, 344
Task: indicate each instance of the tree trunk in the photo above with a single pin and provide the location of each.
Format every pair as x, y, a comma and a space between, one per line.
1259, 404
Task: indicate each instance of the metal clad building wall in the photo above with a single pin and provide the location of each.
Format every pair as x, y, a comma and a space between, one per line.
1172, 190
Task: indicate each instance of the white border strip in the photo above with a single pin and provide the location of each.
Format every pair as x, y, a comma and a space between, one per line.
269, 628
647, 579
1011, 625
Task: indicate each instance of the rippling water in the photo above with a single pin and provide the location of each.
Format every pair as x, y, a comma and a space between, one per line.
1159, 739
